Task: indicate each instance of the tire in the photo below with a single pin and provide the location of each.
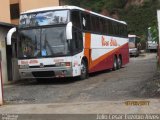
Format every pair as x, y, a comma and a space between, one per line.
137, 54
119, 61
115, 64
40, 80
84, 70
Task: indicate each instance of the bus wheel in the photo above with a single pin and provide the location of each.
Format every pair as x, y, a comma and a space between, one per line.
40, 80
84, 70
115, 64
119, 62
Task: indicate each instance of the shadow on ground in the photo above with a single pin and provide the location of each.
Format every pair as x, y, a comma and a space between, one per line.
58, 81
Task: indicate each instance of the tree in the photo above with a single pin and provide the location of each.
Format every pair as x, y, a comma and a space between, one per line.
154, 33
139, 16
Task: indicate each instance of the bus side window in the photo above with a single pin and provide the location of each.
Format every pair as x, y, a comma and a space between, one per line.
106, 26
95, 24
110, 32
101, 25
75, 18
85, 21
115, 28
77, 41
121, 30
124, 30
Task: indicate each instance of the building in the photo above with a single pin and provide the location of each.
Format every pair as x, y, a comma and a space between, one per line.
12, 8
6, 54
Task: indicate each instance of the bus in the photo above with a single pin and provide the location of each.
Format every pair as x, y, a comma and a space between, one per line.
134, 45
68, 41
151, 43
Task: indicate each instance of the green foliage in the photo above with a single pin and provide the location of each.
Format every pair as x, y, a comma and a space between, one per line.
98, 5
138, 17
154, 33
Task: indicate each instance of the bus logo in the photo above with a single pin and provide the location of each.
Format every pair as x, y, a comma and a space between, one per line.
41, 65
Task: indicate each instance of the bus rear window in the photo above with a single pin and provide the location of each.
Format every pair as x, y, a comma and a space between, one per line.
44, 18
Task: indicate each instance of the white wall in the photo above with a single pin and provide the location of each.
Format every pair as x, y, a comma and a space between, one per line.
158, 17
3, 33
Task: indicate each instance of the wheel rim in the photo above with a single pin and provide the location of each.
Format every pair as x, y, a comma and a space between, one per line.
119, 62
83, 68
115, 64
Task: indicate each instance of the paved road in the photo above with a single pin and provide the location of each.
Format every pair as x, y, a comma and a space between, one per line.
120, 85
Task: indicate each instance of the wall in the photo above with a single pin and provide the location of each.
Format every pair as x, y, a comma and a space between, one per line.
5, 11
34, 4
14, 1
3, 33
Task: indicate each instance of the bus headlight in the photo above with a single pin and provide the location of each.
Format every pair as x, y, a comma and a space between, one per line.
63, 64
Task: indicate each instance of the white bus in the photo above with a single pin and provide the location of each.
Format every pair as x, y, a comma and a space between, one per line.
134, 45
68, 41
151, 44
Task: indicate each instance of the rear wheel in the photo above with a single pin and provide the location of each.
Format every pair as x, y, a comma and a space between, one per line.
84, 70
119, 60
115, 64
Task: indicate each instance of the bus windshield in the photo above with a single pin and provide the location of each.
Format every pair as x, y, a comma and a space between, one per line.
42, 42
132, 43
132, 39
44, 18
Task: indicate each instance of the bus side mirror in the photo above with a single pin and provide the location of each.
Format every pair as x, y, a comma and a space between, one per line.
9, 35
69, 31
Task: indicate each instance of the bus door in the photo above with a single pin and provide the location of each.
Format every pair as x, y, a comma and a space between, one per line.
12, 61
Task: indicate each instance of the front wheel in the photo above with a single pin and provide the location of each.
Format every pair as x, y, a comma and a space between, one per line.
40, 80
84, 70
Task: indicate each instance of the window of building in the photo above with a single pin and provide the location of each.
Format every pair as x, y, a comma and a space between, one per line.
14, 10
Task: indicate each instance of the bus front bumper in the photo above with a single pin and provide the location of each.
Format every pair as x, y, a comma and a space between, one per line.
52, 72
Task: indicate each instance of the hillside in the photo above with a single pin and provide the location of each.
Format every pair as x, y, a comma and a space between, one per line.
139, 14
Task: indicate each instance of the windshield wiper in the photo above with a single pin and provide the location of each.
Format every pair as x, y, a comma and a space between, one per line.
47, 44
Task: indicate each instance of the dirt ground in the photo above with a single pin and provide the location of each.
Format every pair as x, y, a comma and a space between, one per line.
136, 80
105, 92
151, 88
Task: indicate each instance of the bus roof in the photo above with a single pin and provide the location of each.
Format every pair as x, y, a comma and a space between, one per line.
70, 7
133, 36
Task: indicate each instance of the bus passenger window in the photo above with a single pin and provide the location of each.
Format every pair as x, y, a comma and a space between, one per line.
101, 25
77, 41
110, 27
95, 24
106, 27
85, 21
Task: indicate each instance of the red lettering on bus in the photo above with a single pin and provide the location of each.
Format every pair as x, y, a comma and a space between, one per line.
104, 42
24, 62
113, 42
33, 61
